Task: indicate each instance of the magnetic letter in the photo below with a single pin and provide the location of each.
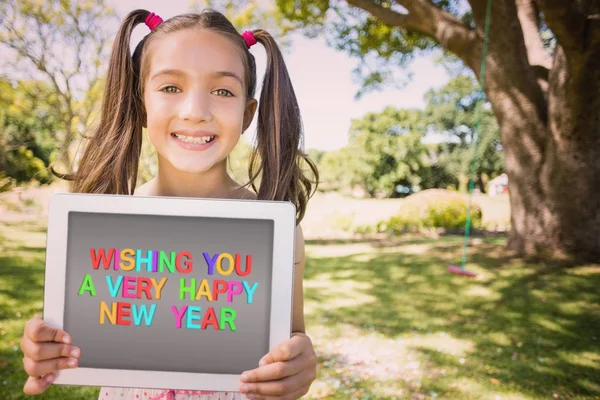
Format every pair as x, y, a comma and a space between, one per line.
185, 289
204, 290
110, 314
210, 262
238, 268
114, 289
87, 286
127, 286
231, 291
178, 315
228, 317
249, 290
210, 318
123, 311
101, 256
158, 286
191, 317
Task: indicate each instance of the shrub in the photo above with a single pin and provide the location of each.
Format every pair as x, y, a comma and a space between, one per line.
434, 209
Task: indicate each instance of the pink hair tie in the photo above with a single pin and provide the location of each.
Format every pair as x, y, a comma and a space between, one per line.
153, 21
249, 38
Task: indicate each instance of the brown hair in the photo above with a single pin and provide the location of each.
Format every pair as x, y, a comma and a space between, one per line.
109, 163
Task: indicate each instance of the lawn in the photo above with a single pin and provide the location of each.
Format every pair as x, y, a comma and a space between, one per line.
389, 322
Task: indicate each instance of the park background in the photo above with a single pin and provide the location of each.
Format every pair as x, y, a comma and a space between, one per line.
395, 120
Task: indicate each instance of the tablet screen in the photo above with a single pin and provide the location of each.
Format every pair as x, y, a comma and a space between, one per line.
167, 293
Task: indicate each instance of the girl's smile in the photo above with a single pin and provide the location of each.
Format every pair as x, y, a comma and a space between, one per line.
194, 140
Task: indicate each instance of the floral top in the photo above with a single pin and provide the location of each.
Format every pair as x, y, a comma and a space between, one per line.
158, 394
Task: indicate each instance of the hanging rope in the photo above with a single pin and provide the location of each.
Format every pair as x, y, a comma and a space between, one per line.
475, 161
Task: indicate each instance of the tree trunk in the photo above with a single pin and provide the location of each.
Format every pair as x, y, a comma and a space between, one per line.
551, 147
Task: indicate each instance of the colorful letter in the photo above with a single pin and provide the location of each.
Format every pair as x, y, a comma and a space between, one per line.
123, 311
158, 286
210, 318
231, 292
185, 289
113, 289
228, 317
249, 290
210, 262
127, 286
154, 261
110, 314
238, 268
178, 315
140, 311
188, 263
147, 260
191, 317
204, 290
144, 285
130, 260
117, 259
220, 269
101, 256
87, 286
164, 260
216, 290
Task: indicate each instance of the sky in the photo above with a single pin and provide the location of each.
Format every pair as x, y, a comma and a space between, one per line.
322, 79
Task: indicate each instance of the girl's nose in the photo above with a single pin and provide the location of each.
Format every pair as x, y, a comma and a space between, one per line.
195, 108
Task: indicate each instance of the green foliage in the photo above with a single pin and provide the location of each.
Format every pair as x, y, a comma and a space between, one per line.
26, 129
64, 44
452, 112
433, 209
384, 150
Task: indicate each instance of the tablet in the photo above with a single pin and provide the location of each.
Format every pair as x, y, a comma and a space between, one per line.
168, 293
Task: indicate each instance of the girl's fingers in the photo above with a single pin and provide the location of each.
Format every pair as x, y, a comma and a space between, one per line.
41, 368
48, 350
275, 371
281, 387
35, 385
38, 331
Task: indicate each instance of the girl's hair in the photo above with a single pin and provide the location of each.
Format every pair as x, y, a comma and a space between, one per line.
109, 163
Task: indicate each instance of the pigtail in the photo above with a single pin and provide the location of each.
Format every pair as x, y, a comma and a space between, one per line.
278, 156
109, 163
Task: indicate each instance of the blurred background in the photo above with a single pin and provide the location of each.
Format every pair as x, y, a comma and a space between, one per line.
410, 152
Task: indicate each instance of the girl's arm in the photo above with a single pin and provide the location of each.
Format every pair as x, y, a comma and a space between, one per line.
298, 303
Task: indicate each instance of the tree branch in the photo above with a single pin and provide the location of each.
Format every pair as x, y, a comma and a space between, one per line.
425, 18
538, 58
567, 21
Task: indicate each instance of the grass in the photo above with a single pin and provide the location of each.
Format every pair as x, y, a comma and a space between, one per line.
389, 322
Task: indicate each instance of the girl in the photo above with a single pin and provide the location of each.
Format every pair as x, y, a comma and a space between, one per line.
191, 82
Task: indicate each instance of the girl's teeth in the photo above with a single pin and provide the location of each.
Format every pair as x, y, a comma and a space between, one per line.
195, 140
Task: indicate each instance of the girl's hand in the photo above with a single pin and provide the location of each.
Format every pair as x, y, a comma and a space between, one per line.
285, 373
46, 350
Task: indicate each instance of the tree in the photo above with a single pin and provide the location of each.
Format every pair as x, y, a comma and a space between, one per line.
384, 150
544, 93
63, 44
452, 112
26, 125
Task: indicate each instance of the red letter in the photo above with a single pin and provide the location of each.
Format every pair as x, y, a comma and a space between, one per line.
216, 291
122, 312
188, 263
101, 256
248, 269
144, 285
210, 318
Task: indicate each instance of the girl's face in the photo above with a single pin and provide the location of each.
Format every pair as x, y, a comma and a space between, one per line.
195, 99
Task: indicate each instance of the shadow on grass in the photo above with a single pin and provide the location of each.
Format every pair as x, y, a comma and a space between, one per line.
534, 328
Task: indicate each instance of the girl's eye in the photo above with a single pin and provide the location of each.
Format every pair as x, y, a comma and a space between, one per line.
169, 89
223, 92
